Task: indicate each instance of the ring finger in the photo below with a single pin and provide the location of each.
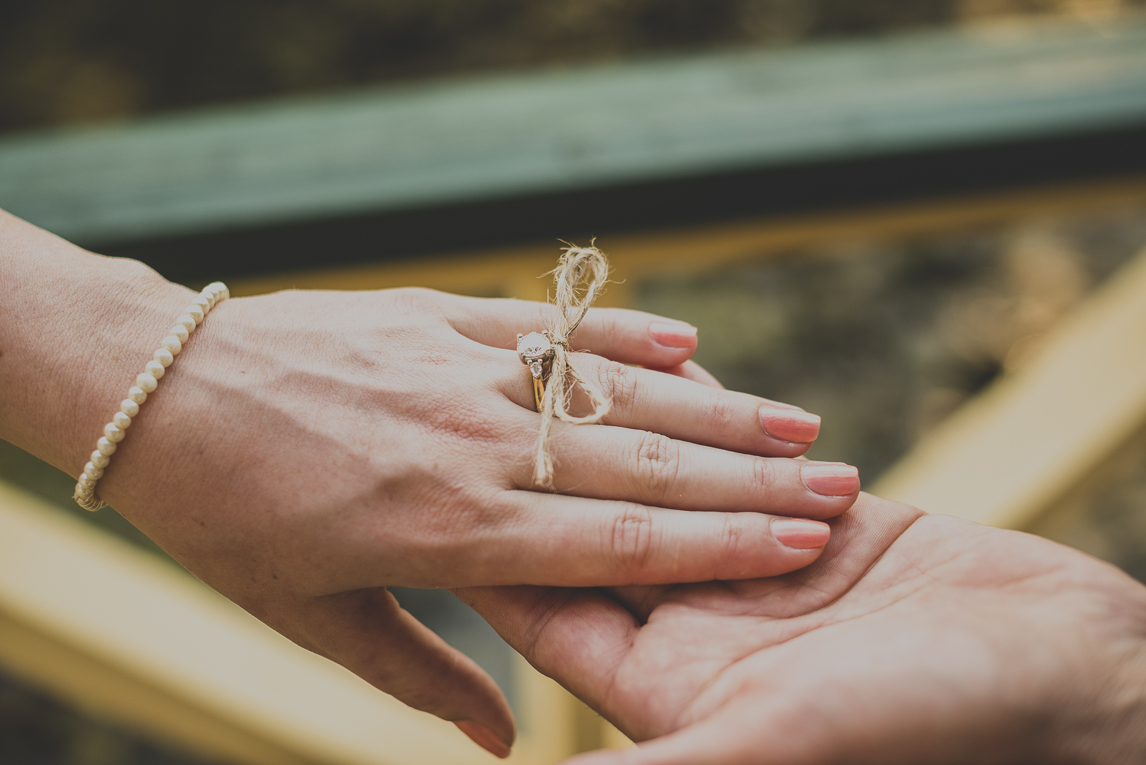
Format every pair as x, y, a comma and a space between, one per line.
681, 408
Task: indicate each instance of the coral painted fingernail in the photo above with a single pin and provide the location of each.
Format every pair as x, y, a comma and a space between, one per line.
484, 737
673, 335
830, 479
801, 534
790, 425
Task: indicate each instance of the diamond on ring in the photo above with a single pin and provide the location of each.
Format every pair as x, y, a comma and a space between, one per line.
534, 350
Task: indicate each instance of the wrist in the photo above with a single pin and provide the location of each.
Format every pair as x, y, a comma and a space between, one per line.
126, 318
77, 328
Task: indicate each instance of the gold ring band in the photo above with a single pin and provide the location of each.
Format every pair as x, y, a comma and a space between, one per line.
538, 392
535, 350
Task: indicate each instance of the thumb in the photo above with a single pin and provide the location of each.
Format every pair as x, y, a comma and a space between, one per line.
367, 632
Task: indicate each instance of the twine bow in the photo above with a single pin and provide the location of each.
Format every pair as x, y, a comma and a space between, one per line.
577, 265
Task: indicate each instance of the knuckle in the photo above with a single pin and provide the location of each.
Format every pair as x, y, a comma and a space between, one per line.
468, 423
733, 541
609, 321
721, 411
542, 315
765, 476
619, 381
632, 538
415, 301
657, 463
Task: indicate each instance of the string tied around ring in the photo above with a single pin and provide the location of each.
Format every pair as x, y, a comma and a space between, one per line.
578, 266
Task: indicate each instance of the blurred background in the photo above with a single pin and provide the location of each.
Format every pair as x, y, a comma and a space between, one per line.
923, 221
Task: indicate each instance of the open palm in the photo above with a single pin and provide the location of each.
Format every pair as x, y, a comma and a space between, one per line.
914, 639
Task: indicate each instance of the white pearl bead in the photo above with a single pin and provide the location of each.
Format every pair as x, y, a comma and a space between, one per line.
203, 303
129, 407
84, 491
147, 382
121, 420
86, 482
92, 472
113, 433
99, 460
155, 369
106, 447
222, 290
172, 345
186, 322
164, 357
180, 332
195, 312
211, 295
137, 394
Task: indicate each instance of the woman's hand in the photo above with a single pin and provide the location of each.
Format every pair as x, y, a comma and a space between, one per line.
913, 639
308, 449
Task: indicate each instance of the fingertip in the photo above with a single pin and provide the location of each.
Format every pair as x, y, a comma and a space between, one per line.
830, 479
789, 425
486, 738
801, 533
673, 336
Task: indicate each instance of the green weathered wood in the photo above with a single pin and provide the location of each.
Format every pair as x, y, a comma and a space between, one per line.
468, 140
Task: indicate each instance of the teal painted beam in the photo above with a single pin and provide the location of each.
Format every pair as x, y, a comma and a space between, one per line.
460, 141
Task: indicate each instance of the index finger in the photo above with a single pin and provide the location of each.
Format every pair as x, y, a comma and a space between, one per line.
620, 334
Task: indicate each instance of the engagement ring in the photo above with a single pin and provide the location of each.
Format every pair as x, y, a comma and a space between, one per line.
535, 350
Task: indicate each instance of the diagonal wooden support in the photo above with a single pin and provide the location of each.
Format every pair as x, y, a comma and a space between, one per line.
130, 638
1010, 453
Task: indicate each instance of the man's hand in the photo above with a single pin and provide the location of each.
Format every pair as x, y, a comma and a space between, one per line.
914, 639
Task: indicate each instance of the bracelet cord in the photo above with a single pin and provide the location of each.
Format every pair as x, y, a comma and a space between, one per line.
145, 383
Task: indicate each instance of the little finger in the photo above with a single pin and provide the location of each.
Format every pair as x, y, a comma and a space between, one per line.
576, 542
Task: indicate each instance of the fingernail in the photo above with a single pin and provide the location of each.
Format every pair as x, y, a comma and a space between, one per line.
484, 737
790, 425
673, 335
801, 534
830, 479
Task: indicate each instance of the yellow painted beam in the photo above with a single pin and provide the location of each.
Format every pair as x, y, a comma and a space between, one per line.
130, 638
1008, 454
110, 693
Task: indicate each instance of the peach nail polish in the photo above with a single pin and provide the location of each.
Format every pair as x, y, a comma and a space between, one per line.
484, 737
800, 534
673, 335
790, 425
830, 479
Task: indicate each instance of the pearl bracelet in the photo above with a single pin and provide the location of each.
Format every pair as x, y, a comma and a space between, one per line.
145, 383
